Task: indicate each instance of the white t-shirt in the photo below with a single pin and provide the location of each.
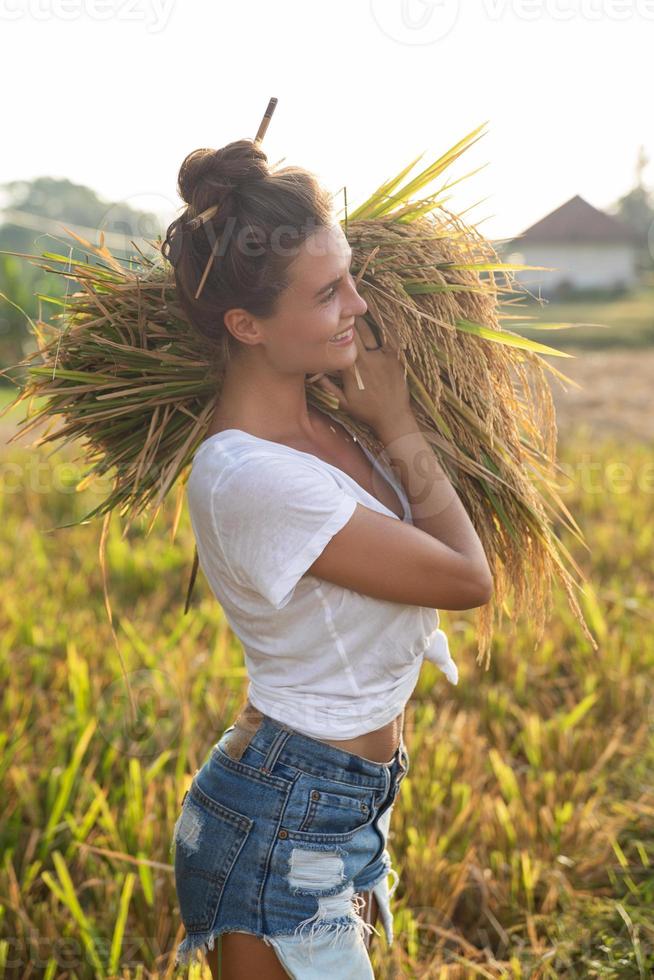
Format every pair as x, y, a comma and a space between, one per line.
328, 661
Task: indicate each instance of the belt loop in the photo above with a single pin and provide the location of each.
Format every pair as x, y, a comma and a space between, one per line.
273, 752
388, 781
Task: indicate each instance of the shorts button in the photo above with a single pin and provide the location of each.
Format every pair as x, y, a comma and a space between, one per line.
364, 807
315, 795
283, 834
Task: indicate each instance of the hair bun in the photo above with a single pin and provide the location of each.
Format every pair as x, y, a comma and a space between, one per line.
205, 173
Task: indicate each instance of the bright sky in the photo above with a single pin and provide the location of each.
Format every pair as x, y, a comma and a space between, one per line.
115, 93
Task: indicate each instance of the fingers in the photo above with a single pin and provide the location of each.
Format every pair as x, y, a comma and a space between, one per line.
364, 335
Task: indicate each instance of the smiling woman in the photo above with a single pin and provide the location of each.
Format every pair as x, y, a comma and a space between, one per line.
244, 223
271, 484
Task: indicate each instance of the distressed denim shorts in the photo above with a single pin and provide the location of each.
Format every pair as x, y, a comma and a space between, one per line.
278, 835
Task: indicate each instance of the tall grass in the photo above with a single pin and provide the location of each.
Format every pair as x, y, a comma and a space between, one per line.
625, 321
523, 835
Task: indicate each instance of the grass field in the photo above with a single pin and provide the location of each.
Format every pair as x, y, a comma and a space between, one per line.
624, 322
523, 835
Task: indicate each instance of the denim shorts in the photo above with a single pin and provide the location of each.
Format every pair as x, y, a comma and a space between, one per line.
278, 835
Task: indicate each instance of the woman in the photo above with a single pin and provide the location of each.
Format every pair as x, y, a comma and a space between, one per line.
329, 569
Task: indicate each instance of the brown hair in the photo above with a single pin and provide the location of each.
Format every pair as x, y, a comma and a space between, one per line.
255, 221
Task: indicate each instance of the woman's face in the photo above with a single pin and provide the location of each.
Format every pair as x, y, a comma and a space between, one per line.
320, 301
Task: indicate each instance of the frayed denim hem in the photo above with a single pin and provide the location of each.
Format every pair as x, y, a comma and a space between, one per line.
325, 925
383, 894
328, 931
205, 941
341, 926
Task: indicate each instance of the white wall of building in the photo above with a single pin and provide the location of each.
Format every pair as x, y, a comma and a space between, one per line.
583, 265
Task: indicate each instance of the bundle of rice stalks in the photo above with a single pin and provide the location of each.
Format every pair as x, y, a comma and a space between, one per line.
135, 382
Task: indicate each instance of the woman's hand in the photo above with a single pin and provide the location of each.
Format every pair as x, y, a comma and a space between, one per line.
385, 396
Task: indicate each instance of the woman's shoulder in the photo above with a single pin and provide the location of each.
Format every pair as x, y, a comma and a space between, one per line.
248, 466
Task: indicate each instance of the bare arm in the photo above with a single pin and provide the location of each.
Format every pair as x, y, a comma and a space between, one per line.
438, 561
435, 506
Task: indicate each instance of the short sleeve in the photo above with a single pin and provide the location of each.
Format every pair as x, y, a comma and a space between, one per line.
273, 517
